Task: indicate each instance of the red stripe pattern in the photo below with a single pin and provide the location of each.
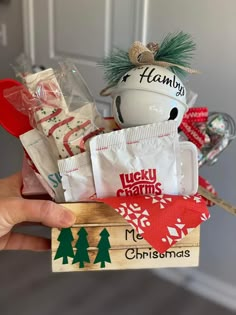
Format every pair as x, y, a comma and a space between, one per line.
70, 133
188, 125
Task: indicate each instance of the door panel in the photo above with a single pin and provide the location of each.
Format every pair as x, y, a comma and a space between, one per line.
78, 34
84, 31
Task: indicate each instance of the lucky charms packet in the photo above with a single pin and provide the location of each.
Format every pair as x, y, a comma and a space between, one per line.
144, 160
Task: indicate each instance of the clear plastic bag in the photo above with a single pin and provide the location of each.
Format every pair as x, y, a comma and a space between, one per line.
60, 105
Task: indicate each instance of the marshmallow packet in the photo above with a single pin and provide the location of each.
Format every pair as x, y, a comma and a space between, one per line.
77, 177
144, 160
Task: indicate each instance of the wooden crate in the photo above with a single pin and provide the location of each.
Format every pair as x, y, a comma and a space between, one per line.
119, 246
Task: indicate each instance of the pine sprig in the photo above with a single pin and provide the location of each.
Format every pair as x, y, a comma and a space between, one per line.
116, 65
176, 48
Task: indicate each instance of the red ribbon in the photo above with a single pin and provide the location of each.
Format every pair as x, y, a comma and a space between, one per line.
194, 115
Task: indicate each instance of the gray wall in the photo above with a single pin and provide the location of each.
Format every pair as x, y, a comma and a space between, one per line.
212, 23
11, 15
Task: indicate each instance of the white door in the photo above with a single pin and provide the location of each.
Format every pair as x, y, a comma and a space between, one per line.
84, 31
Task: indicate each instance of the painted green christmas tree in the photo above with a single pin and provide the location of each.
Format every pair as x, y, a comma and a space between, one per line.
65, 248
82, 245
103, 249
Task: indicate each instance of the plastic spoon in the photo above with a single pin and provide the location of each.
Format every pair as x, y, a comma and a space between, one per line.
11, 119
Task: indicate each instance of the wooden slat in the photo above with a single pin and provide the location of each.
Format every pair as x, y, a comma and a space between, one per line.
217, 200
128, 249
124, 236
172, 258
94, 212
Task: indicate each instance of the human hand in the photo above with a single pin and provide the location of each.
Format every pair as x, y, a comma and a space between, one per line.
14, 209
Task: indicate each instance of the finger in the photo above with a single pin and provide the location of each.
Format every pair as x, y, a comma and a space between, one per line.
17, 210
18, 241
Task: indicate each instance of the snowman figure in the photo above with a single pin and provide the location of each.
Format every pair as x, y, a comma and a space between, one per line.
144, 83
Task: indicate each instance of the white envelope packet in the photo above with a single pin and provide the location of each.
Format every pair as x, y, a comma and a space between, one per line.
143, 160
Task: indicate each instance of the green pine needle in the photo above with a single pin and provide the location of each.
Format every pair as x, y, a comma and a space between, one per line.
116, 65
176, 48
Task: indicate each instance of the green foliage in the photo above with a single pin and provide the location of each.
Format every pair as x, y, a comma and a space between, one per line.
116, 65
82, 245
175, 48
65, 248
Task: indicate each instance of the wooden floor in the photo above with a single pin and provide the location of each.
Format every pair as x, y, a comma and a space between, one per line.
27, 287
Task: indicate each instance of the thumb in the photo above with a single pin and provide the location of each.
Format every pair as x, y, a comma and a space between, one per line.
17, 210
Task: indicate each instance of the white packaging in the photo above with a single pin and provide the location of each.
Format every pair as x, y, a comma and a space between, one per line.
77, 177
68, 131
141, 160
45, 160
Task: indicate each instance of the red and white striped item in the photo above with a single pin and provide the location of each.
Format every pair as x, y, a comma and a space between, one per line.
69, 131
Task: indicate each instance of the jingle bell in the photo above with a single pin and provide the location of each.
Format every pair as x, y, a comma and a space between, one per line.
148, 94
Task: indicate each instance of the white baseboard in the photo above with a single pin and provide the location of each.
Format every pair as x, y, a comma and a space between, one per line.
202, 284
